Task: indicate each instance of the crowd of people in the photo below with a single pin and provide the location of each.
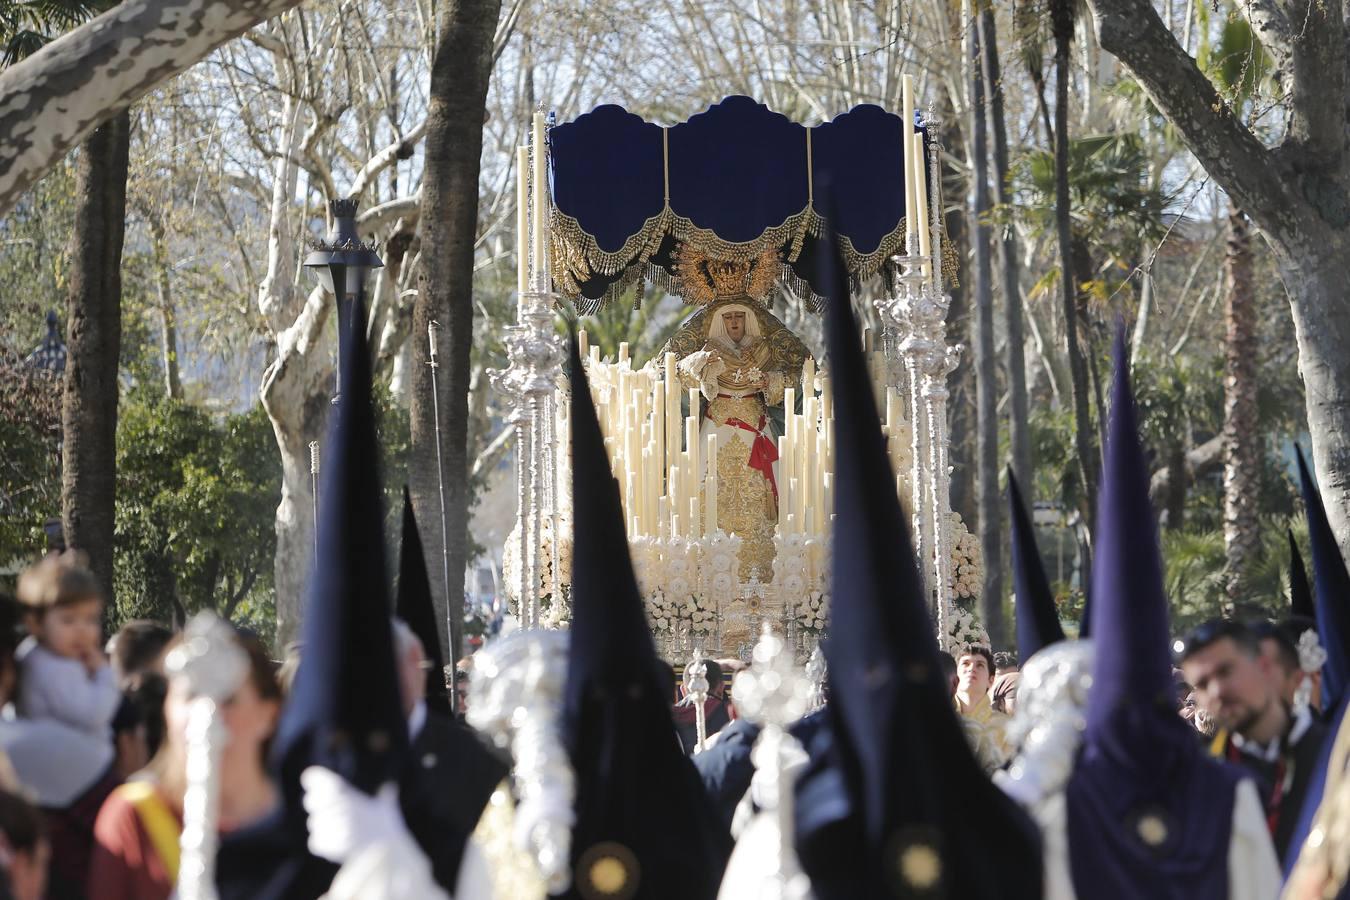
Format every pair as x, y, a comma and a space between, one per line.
1120, 765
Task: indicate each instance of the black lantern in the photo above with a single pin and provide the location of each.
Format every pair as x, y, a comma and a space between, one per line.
50, 355
341, 264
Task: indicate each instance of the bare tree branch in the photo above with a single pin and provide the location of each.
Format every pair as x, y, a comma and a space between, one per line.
1133, 32
400, 149
377, 218
55, 98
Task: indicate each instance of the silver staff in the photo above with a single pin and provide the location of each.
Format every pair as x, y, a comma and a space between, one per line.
450, 627
215, 666
774, 694
696, 694
314, 491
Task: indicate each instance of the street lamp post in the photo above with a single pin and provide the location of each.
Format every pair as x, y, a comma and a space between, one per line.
341, 264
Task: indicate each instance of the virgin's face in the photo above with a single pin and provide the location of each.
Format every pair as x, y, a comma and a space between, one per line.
735, 325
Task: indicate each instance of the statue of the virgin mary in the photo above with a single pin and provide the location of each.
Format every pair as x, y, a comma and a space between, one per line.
740, 357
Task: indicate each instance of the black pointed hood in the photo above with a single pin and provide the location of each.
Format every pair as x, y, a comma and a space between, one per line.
1331, 585
1148, 814
344, 710
639, 801
1300, 592
1037, 619
912, 780
415, 606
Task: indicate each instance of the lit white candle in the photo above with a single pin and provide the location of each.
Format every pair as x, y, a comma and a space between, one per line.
522, 219
784, 493
921, 202
540, 201
583, 343
710, 517
630, 502
808, 476
693, 515
676, 495
691, 441
827, 492
672, 411
710, 488
623, 353
907, 147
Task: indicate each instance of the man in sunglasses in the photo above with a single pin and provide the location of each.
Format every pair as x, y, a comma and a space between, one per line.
1241, 688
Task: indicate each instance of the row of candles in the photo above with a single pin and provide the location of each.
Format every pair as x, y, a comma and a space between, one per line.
668, 473
668, 476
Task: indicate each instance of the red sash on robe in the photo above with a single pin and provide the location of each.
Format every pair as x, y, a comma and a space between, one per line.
763, 452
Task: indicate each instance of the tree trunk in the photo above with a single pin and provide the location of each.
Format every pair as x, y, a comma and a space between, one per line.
1062, 15
93, 345
1019, 420
55, 98
986, 369
960, 420
459, 83
1242, 441
1294, 193
173, 385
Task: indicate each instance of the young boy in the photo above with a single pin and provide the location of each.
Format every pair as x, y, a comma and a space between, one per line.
63, 674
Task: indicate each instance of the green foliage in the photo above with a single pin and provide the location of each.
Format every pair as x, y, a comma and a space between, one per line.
1237, 62
645, 330
1109, 184
30, 464
1193, 564
27, 25
195, 505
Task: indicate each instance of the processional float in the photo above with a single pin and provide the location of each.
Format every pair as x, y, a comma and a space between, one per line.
723, 442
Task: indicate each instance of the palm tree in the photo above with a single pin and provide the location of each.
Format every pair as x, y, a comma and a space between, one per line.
94, 302
1062, 15
1239, 65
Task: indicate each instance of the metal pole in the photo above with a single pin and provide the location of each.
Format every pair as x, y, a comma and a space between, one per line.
314, 492
450, 625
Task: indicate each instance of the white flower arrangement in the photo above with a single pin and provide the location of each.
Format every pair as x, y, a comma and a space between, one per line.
511, 560
663, 614
648, 563
812, 613
721, 570
681, 567
791, 568
967, 572
700, 614
964, 630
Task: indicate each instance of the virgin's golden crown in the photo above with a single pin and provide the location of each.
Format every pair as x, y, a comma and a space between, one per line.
704, 279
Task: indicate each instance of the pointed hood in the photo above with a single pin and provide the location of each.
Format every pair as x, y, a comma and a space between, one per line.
415, 606
1037, 619
1331, 585
344, 710
639, 800
912, 781
1148, 814
1300, 592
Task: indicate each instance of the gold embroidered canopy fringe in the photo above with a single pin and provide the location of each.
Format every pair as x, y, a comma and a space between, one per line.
726, 190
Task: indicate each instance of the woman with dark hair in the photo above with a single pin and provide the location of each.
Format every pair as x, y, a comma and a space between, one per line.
137, 832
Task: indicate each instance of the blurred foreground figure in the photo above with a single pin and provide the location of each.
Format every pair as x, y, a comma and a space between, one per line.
1142, 812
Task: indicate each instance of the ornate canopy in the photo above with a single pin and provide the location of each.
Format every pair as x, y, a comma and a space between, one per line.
734, 182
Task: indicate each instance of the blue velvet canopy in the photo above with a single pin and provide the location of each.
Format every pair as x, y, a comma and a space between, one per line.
734, 182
